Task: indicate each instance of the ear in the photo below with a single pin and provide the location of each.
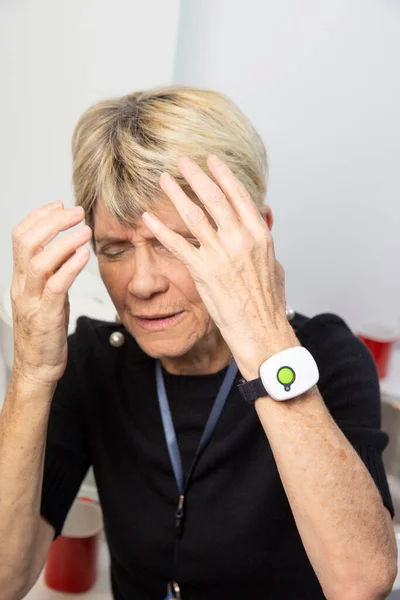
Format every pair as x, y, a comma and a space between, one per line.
267, 215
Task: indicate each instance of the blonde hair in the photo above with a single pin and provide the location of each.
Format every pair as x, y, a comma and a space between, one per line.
121, 146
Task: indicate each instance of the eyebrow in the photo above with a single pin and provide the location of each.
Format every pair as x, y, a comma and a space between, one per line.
110, 239
115, 240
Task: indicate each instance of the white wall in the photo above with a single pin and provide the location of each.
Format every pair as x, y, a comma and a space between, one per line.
56, 59
321, 83
319, 80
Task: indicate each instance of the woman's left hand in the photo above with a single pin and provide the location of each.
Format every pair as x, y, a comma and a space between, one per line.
235, 270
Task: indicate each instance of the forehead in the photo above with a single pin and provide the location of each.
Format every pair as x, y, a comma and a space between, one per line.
106, 225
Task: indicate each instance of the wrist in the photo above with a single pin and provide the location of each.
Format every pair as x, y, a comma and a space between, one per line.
28, 383
250, 361
286, 375
26, 411
309, 400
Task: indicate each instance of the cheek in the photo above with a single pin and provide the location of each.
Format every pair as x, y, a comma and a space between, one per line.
182, 281
115, 281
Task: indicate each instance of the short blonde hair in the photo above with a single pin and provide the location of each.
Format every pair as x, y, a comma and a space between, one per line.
121, 146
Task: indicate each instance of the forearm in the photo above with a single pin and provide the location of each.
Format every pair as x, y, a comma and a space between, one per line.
23, 429
336, 505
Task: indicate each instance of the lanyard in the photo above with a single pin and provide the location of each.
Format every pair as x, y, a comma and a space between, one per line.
172, 442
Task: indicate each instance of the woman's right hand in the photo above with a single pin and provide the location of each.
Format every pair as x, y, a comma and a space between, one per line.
39, 291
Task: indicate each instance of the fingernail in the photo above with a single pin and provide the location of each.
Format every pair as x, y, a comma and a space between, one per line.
214, 159
54, 205
185, 161
149, 218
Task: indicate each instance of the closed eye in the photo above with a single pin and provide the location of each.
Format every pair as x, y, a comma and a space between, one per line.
111, 255
106, 252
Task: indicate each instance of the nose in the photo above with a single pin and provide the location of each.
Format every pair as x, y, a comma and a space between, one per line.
147, 277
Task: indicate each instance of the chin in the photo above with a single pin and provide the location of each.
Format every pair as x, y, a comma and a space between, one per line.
164, 348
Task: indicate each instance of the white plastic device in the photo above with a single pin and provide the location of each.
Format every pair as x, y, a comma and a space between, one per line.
289, 373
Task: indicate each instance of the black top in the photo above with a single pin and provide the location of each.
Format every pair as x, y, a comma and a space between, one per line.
240, 539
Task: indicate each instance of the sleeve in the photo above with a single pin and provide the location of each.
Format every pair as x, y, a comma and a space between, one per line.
349, 385
67, 455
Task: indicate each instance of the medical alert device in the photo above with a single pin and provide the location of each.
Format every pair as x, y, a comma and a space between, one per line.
283, 376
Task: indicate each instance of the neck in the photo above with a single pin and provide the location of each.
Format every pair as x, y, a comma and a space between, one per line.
205, 358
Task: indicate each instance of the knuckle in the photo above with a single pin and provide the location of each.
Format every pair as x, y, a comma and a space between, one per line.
15, 234
242, 193
26, 240
180, 249
54, 287
35, 269
214, 196
246, 247
244, 238
16, 240
195, 216
180, 246
280, 271
263, 237
270, 241
13, 294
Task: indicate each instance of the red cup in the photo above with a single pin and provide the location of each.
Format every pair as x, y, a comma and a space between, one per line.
380, 340
71, 564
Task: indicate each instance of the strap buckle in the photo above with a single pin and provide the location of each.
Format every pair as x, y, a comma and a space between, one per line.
173, 591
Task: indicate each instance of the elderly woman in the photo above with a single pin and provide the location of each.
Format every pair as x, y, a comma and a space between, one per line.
236, 445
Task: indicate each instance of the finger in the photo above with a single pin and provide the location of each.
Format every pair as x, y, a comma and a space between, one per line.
27, 244
58, 284
174, 242
36, 215
234, 189
192, 214
17, 235
43, 265
210, 195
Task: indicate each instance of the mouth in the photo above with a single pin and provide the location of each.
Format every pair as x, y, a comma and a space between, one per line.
159, 321
159, 316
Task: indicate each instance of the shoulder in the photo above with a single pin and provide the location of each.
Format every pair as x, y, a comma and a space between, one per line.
92, 331
349, 382
333, 344
308, 326
93, 349
326, 333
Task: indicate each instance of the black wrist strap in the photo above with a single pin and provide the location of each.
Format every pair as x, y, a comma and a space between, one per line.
251, 390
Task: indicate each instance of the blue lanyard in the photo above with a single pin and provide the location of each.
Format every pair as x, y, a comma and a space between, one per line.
173, 448
170, 435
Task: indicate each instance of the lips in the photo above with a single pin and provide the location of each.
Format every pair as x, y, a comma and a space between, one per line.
157, 316
158, 324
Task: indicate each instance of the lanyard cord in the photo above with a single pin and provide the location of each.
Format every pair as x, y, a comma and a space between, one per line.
172, 442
